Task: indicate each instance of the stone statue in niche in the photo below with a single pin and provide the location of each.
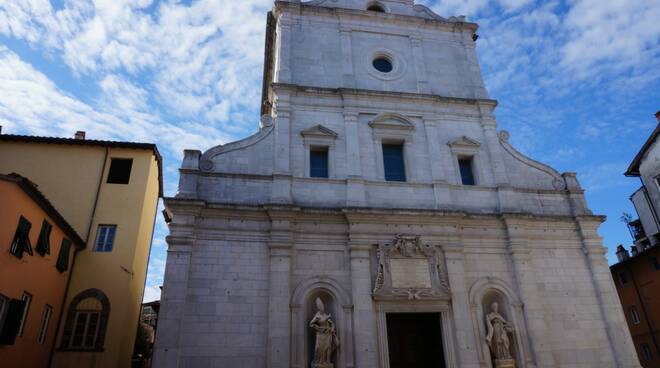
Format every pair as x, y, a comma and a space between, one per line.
498, 338
326, 337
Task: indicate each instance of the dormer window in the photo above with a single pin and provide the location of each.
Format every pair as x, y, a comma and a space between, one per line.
376, 7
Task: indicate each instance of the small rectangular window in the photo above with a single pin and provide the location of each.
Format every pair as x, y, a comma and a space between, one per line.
467, 171
633, 315
646, 351
63, 257
318, 162
27, 299
656, 264
45, 320
120, 170
43, 244
395, 169
105, 238
21, 242
623, 277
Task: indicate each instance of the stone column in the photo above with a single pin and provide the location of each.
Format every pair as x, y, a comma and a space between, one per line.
420, 66
621, 346
466, 346
348, 78
173, 299
355, 184
364, 317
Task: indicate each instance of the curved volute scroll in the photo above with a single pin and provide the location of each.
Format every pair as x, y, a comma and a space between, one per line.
409, 269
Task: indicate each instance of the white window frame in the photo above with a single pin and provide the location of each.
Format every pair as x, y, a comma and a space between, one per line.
316, 137
27, 298
105, 244
634, 315
88, 314
45, 321
463, 148
4, 302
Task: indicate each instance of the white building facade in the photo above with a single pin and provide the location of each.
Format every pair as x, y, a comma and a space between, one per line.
379, 185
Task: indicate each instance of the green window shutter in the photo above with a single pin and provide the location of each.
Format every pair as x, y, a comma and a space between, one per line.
12, 322
43, 245
63, 257
21, 242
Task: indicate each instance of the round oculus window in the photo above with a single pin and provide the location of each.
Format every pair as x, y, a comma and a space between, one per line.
383, 65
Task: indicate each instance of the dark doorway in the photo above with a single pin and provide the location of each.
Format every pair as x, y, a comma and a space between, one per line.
415, 340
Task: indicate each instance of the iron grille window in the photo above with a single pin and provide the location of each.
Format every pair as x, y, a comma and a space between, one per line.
634, 316
21, 242
120, 171
45, 319
43, 244
105, 238
27, 299
395, 169
63, 257
467, 171
318, 162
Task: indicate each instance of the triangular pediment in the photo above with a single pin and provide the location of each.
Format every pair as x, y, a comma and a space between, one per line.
464, 142
319, 131
391, 121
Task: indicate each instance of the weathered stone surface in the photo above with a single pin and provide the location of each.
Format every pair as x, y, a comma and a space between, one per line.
255, 240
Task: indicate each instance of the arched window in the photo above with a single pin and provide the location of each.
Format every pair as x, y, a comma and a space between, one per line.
86, 321
376, 7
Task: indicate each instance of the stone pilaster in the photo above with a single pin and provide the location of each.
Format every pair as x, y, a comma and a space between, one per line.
348, 77
438, 173
420, 64
519, 258
281, 192
364, 317
283, 58
173, 300
466, 346
621, 346
492, 143
355, 185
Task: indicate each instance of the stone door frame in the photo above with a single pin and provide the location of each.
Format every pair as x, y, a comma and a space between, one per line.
447, 329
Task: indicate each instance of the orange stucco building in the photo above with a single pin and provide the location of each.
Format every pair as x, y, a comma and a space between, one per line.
37, 250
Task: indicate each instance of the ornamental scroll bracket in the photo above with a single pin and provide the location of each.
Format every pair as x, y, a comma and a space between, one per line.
409, 269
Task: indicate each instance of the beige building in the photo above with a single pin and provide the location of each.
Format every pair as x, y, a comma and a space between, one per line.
109, 192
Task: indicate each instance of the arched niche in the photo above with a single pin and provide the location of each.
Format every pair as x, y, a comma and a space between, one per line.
338, 303
483, 293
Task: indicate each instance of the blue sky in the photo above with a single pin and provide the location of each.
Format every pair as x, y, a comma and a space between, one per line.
576, 80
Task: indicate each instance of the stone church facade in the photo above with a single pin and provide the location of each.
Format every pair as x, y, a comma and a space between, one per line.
379, 194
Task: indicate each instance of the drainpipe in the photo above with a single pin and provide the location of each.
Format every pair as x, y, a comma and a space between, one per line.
75, 255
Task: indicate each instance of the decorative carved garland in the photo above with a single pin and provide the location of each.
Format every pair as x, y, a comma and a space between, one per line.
410, 247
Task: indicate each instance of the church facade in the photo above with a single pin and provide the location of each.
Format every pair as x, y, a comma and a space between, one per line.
379, 219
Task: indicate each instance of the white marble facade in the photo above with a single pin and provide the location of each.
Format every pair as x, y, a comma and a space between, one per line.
254, 240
